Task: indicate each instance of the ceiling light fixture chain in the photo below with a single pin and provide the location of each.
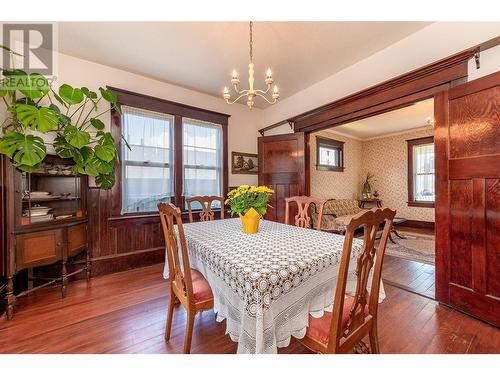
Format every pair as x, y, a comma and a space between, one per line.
251, 41
251, 92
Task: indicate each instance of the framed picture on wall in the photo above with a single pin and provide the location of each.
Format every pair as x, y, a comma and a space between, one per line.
244, 163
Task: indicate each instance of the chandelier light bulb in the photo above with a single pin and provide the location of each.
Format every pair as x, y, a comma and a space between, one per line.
276, 92
269, 77
226, 95
234, 78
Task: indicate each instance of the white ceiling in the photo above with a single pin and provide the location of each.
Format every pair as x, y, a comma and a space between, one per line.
400, 120
201, 55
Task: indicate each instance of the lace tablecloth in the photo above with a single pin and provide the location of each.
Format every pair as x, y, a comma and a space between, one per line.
265, 285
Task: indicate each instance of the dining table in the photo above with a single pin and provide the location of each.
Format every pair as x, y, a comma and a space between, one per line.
266, 285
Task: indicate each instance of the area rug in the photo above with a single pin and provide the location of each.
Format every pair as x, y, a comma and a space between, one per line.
416, 246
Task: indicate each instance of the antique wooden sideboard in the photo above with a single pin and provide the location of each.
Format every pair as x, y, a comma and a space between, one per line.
44, 222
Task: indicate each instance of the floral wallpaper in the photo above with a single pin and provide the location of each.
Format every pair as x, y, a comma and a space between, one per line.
385, 157
338, 185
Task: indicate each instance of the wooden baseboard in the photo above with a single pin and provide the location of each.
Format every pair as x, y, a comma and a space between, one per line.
123, 262
418, 224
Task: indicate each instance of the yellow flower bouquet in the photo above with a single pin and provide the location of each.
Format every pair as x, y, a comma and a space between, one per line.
250, 203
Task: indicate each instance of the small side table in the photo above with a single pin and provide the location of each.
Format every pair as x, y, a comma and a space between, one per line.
375, 201
395, 221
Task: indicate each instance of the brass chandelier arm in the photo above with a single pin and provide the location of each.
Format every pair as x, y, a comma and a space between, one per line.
266, 99
262, 91
238, 98
238, 91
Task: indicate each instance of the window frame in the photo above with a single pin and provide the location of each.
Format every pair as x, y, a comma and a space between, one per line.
178, 111
331, 143
411, 143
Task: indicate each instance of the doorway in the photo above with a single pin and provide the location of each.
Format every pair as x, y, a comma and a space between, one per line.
388, 160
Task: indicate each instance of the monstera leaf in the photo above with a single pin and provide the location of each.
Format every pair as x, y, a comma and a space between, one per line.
105, 181
42, 119
105, 152
70, 95
35, 86
96, 166
96, 123
88, 93
108, 95
76, 137
32, 86
25, 150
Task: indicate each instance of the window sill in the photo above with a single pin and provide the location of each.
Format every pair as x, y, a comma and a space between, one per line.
421, 204
153, 214
329, 168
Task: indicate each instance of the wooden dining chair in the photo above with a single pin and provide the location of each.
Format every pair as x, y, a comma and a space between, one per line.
206, 213
354, 317
187, 285
302, 219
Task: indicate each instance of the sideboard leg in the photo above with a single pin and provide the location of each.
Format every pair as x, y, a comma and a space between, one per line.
88, 265
64, 279
10, 298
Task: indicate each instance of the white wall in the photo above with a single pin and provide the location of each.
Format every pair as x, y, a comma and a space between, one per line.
489, 63
243, 123
432, 43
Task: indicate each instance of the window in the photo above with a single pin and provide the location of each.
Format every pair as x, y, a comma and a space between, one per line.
148, 165
176, 151
421, 174
202, 158
329, 154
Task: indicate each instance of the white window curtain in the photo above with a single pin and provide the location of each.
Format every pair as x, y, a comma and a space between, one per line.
147, 174
423, 173
202, 158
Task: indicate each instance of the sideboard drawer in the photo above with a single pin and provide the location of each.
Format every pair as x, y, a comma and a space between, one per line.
38, 248
77, 239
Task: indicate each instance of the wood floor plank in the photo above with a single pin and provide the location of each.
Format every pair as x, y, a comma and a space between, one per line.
125, 313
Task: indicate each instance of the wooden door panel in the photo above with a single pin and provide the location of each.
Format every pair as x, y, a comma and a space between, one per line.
493, 237
460, 232
282, 168
467, 144
472, 131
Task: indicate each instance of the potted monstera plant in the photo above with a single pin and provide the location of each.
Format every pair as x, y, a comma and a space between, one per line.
68, 119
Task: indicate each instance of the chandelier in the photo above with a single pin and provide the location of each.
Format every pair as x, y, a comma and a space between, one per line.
251, 92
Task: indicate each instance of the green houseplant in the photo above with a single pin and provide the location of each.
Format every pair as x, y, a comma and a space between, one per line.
68, 119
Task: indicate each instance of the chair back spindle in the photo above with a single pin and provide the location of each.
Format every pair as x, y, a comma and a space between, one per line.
302, 219
205, 202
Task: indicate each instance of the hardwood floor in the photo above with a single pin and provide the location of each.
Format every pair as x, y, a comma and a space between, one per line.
125, 313
410, 275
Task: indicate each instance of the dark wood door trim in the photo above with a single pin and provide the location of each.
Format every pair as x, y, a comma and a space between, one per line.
442, 203
397, 92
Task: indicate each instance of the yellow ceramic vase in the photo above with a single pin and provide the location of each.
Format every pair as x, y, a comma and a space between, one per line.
250, 221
